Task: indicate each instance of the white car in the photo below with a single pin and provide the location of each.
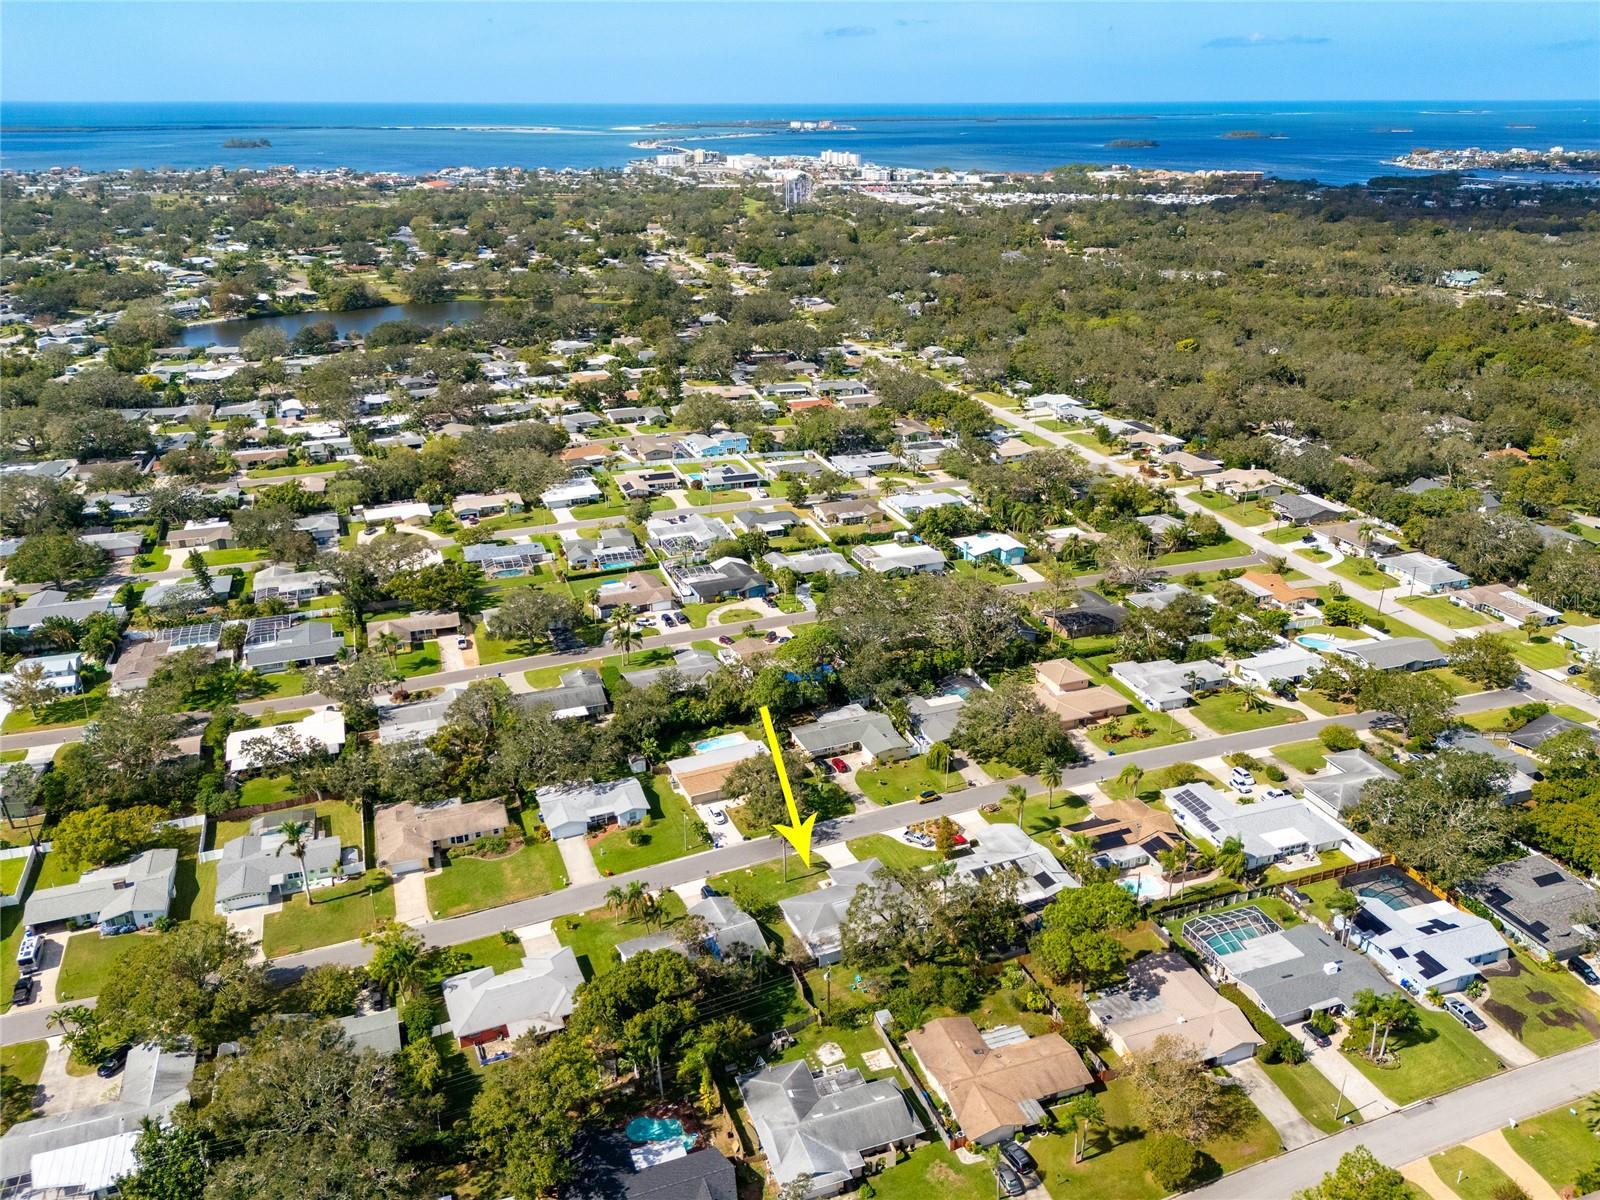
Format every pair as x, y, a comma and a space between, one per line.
461, 641
718, 817
1277, 793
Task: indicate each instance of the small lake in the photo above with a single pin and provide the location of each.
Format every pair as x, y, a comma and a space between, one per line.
359, 320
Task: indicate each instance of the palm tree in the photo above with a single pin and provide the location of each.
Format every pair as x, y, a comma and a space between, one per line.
634, 899
61, 632
1229, 858
1395, 1012
1020, 794
1084, 1111
1252, 701
1346, 904
389, 644
624, 633
296, 837
615, 897
1050, 776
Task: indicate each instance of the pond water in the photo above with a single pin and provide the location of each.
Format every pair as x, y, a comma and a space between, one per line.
360, 320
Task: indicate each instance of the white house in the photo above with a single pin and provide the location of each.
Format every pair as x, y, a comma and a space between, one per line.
248, 749
572, 810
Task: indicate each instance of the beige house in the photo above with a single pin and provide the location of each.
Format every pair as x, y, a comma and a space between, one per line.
413, 837
418, 628
998, 1081
1071, 693
699, 778
1165, 996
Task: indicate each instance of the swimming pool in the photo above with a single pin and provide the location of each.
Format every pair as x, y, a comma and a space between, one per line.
644, 1130
1317, 641
718, 742
1227, 932
1145, 887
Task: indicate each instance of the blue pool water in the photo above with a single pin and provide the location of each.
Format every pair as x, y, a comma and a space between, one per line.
718, 742
1317, 641
642, 1130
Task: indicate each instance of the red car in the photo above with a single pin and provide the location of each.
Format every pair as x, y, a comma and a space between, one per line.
839, 764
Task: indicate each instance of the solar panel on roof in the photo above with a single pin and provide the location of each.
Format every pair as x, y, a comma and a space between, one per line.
1429, 965
1548, 879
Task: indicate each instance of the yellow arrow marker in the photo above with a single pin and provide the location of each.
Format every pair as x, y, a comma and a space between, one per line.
797, 833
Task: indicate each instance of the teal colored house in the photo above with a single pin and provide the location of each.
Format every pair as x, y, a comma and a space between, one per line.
995, 547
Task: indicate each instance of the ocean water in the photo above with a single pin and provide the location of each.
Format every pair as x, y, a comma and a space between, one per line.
1333, 143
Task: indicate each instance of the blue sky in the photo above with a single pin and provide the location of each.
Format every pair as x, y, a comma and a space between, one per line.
766, 51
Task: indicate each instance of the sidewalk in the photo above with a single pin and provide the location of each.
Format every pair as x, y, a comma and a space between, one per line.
1496, 1149
1294, 1130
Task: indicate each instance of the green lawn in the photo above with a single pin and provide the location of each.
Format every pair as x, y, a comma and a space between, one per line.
675, 830
422, 661
231, 557
492, 951
1440, 1056
699, 497
1289, 533
1308, 1090
594, 935
1556, 1144
1224, 712
1362, 573
1313, 553
24, 1060
892, 783
1541, 652
1249, 513
1308, 756
934, 1171
1231, 548
1470, 1175
11, 874
758, 889
333, 816
468, 884
1548, 1011
1442, 611
1113, 1165
1137, 731
891, 851
89, 960
54, 871
69, 710
341, 914
1042, 817
1152, 783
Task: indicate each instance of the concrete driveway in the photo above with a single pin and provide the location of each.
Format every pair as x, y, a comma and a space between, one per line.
60, 1092
579, 860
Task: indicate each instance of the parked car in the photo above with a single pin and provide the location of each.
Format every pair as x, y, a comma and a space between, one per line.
840, 765
22, 990
1411, 986
1317, 1037
927, 796
113, 1062
644, 619
707, 891
1019, 1159
1462, 1011
1010, 1182
1584, 972
1277, 793
725, 640
772, 635
718, 817
1574, 669
918, 838
462, 641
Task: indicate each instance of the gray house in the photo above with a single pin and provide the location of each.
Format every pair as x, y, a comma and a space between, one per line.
816, 917
572, 810
131, 895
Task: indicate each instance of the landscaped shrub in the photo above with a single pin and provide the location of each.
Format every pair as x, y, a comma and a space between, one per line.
1277, 1043
1274, 773
1171, 1161
1339, 737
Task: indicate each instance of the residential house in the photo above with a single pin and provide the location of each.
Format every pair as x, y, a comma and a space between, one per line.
1191, 466
279, 582
793, 468
641, 593
723, 477
805, 563
1507, 605
288, 646
84, 1151
1164, 684
1126, 834
1356, 539
1246, 484
38, 608
901, 558
1148, 441
610, 549
120, 898
1166, 997
816, 917
690, 666
848, 729
1288, 973
256, 869
416, 722
686, 532
618, 1170
910, 505
1006, 450
1338, 786
580, 693
201, 535
1540, 904
934, 718
699, 777
644, 485
488, 1010
997, 1082
575, 809
730, 933
1070, 692
1268, 830
506, 562
1541, 729
1005, 847
1282, 664
59, 671
823, 1128
1273, 590
1304, 510
404, 512
632, 414
1088, 615
858, 466
1395, 654
251, 749
1431, 945
774, 524
1582, 640
323, 528
996, 547
571, 494
475, 506
847, 513
1423, 573
651, 448
724, 579
414, 837
120, 546
417, 629
714, 445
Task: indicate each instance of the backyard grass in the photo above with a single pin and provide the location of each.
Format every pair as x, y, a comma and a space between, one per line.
892, 783
1225, 712
89, 960
675, 830
1137, 731
341, 914
934, 1171
1309, 1091
333, 816
1439, 1056
594, 935
891, 851
1547, 1011
468, 884
1309, 756
1152, 783
1470, 1175
1442, 611
1043, 817
1556, 1144
11, 874
1362, 573
54, 871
